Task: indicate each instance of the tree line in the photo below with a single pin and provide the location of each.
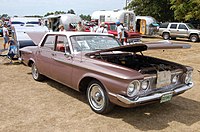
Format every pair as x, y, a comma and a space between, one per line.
167, 10
71, 11
161, 10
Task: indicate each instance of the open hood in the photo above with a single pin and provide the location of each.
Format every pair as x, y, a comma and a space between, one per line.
145, 46
126, 48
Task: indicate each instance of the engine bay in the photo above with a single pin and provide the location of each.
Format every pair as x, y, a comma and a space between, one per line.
141, 63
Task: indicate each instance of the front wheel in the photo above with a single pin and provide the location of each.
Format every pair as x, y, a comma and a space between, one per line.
166, 36
35, 73
194, 38
98, 98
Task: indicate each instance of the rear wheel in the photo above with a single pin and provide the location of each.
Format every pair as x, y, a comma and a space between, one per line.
98, 98
35, 73
194, 38
166, 36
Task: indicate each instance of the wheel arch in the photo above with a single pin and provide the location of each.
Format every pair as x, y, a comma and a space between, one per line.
30, 62
193, 34
166, 32
85, 82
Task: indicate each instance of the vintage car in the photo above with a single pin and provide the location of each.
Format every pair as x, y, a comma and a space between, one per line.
109, 73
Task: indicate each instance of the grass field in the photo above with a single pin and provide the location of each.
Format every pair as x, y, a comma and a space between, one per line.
27, 105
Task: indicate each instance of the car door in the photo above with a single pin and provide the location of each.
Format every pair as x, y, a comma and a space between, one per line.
173, 30
61, 68
182, 30
44, 55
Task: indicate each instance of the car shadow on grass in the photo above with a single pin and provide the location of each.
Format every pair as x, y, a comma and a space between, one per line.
62, 88
159, 116
149, 117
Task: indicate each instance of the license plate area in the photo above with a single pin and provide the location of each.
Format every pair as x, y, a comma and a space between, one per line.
163, 79
166, 97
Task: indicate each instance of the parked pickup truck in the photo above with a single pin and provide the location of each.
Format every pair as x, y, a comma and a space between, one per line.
133, 37
182, 30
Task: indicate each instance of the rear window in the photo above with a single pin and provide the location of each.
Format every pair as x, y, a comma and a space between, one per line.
16, 22
164, 25
37, 23
173, 26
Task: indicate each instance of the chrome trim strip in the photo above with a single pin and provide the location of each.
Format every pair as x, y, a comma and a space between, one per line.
152, 97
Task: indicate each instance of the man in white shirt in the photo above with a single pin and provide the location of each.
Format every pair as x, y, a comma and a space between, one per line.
102, 28
120, 32
5, 35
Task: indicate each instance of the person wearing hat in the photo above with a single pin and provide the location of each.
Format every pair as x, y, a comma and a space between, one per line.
102, 28
120, 32
61, 28
5, 35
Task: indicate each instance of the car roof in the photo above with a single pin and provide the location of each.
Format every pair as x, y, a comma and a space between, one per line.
174, 23
72, 33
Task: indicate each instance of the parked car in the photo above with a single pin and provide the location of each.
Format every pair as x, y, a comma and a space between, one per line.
109, 73
182, 30
21, 37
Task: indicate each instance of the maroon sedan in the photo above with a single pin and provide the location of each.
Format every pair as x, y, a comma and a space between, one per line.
109, 74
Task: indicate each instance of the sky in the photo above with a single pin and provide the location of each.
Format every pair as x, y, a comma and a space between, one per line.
41, 7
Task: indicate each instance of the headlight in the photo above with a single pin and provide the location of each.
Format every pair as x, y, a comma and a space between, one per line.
133, 88
175, 79
188, 77
145, 84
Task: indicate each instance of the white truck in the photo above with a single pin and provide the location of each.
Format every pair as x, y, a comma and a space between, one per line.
69, 21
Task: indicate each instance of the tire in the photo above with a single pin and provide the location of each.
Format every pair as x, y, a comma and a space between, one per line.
35, 73
98, 98
194, 38
166, 36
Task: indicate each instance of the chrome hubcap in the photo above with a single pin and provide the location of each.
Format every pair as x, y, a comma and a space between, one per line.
34, 72
166, 36
194, 39
96, 97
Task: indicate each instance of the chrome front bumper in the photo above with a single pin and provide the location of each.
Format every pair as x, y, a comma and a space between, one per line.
155, 96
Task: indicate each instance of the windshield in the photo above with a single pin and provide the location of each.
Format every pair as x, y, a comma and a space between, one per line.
93, 42
113, 27
190, 26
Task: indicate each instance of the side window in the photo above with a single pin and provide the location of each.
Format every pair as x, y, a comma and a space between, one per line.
102, 18
182, 26
62, 44
173, 26
164, 25
49, 42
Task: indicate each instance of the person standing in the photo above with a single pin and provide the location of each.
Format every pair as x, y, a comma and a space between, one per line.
61, 28
5, 35
80, 27
120, 32
102, 28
